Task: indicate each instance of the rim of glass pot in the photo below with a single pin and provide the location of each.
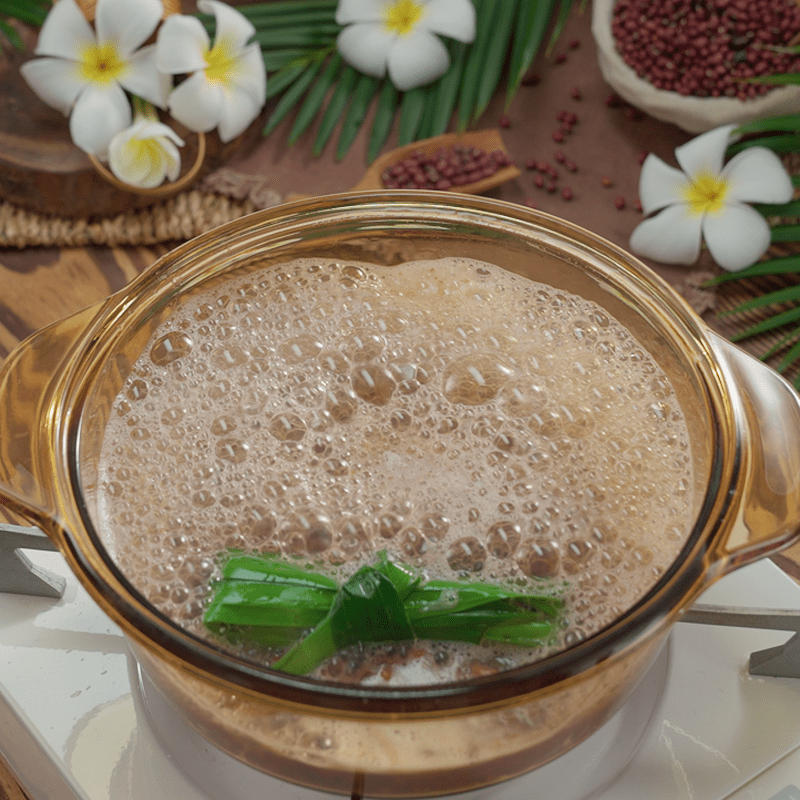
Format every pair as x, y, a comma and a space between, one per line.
152, 628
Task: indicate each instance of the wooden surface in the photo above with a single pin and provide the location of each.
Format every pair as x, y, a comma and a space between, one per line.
41, 285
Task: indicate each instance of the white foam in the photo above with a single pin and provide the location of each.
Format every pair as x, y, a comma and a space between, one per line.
294, 409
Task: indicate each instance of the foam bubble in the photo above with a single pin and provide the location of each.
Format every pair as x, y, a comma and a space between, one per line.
469, 421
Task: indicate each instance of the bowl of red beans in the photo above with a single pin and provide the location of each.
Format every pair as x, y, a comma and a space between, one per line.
699, 64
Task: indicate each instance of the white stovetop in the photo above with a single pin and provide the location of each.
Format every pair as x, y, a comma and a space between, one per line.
72, 725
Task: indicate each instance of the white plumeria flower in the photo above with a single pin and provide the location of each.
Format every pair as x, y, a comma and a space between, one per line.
85, 74
400, 35
146, 153
228, 84
708, 201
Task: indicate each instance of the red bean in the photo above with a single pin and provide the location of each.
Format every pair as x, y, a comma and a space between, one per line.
706, 48
444, 169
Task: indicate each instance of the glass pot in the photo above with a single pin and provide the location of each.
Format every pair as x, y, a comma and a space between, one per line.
55, 394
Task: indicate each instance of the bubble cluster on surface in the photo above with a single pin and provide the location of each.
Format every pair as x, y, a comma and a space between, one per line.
463, 418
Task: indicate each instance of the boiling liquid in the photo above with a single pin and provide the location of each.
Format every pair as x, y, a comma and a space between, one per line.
467, 420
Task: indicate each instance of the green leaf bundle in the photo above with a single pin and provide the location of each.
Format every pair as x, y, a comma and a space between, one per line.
274, 604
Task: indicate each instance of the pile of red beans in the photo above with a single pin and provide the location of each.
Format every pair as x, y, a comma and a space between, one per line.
707, 48
446, 168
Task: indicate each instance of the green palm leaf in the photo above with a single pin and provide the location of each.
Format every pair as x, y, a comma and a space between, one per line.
494, 56
778, 144
792, 315
306, 76
786, 233
30, 12
300, 37
335, 107
412, 107
10, 34
475, 60
778, 80
365, 90
292, 96
786, 339
275, 60
789, 294
314, 99
790, 357
773, 266
785, 122
385, 112
446, 93
531, 24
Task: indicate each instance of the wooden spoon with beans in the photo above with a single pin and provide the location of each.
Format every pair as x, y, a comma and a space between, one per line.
489, 141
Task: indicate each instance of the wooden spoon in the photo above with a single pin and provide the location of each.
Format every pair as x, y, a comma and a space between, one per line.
487, 140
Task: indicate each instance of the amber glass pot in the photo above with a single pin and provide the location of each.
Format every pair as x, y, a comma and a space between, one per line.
744, 420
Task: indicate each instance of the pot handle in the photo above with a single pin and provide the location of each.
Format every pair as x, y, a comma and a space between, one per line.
768, 517
28, 415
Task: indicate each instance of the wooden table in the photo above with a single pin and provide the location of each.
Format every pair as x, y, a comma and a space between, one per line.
41, 285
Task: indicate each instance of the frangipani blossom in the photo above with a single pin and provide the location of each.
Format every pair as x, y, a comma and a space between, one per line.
708, 201
228, 84
401, 36
145, 153
85, 74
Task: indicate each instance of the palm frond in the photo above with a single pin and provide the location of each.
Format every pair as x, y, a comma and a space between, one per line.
307, 78
780, 306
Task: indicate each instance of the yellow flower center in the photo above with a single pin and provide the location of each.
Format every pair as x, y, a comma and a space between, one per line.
102, 64
221, 62
706, 194
402, 16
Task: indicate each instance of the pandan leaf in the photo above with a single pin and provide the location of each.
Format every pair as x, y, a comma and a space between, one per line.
777, 80
558, 27
778, 144
785, 122
274, 603
531, 24
484, 12
495, 56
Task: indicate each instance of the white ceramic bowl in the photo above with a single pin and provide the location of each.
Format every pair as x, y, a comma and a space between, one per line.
693, 114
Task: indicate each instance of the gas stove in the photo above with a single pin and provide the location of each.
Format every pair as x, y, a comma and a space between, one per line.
79, 722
